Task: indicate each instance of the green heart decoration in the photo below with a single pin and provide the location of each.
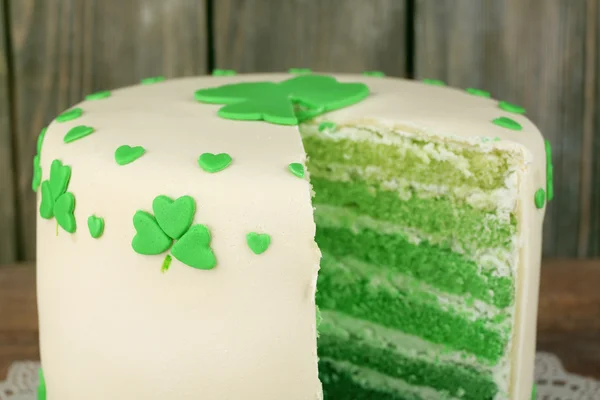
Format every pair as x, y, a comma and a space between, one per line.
126, 154
47, 204
95, 226
214, 162
69, 115
297, 169
174, 216
78, 132
63, 212
193, 249
258, 242
59, 178
149, 238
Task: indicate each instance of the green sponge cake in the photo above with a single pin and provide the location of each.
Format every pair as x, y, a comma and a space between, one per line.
290, 237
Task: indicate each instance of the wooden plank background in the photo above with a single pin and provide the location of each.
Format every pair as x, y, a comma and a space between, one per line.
542, 54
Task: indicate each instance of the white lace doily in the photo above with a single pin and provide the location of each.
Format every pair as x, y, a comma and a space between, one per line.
553, 382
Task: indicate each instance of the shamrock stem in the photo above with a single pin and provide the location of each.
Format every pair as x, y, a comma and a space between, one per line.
166, 263
56, 228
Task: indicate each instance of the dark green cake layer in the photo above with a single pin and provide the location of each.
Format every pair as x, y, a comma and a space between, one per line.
435, 265
393, 161
452, 378
402, 310
449, 221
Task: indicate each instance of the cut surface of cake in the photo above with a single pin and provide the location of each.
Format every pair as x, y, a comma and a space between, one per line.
290, 236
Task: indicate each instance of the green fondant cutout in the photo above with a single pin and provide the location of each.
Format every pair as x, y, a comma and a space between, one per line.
40, 140
274, 102
98, 95
508, 123
63, 212
152, 79
300, 71
258, 242
297, 169
166, 263
37, 173
126, 154
549, 172
478, 92
375, 74
174, 216
59, 178
223, 72
47, 203
540, 198
506, 106
77, 133
214, 162
534, 392
327, 125
149, 238
193, 249
70, 115
434, 82
95, 226
41, 388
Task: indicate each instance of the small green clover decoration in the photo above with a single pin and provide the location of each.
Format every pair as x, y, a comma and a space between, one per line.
285, 103
172, 222
56, 201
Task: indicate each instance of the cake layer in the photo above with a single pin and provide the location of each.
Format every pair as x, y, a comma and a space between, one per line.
343, 380
408, 312
417, 159
435, 265
448, 222
456, 379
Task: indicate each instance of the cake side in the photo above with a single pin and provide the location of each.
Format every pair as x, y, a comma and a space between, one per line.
150, 326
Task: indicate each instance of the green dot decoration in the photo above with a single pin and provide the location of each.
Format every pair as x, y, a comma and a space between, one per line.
374, 74
152, 80
98, 95
513, 108
95, 226
549, 172
77, 133
300, 71
539, 198
258, 242
276, 102
507, 123
297, 169
70, 115
223, 72
478, 92
327, 126
212, 163
434, 82
126, 154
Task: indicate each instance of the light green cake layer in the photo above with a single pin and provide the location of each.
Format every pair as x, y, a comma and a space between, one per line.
435, 265
450, 223
415, 159
402, 310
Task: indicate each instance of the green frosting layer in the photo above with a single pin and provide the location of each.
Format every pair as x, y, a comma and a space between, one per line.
453, 378
439, 217
402, 310
492, 167
439, 267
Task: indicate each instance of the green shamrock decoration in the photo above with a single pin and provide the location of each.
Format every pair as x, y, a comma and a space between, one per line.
56, 201
37, 168
258, 242
172, 221
285, 103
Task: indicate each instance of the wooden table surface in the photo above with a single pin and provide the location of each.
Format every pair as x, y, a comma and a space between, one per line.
568, 321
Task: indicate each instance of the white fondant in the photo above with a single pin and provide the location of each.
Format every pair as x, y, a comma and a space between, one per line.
245, 329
